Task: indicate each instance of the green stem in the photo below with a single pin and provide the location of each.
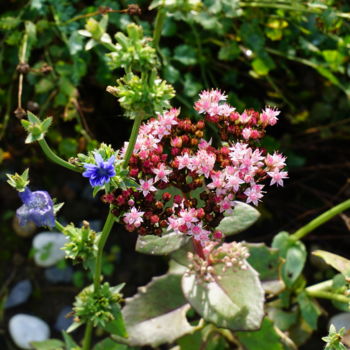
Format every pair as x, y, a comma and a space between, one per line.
327, 295
322, 286
59, 226
87, 336
132, 140
329, 214
158, 26
55, 158
200, 54
103, 238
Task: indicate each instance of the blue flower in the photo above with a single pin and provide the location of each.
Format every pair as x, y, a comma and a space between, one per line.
37, 207
100, 173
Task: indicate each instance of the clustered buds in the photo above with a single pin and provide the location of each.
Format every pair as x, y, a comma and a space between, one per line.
96, 305
184, 183
231, 255
82, 243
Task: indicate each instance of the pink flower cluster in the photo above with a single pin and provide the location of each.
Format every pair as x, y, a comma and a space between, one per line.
171, 154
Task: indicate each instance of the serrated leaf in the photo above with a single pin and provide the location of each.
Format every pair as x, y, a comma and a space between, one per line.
163, 245
242, 217
266, 338
51, 344
234, 301
336, 261
157, 313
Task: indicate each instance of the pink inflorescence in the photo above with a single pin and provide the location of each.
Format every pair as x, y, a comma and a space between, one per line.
185, 184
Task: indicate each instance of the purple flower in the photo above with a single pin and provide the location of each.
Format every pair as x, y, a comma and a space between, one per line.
37, 207
100, 173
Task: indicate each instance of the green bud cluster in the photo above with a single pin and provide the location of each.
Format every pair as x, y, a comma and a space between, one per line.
143, 94
35, 127
19, 182
82, 243
96, 306
133, 52
334, 339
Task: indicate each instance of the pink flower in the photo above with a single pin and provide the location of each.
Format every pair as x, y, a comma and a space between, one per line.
244, 118
246, 133
184, 161
233, 182
147, 186
209, 102
161, 173
254, 194
188, 216
275, 161
277, 177
203, 163
269, 116
134, 217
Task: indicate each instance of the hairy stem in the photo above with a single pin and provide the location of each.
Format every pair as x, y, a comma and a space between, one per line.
329, 214
55, 158
132, 140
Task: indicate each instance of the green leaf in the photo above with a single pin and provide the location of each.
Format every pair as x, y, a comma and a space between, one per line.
235, 300
51, 344
282, 319
163, 245
309, 310
117, 326
252, 36
242, 217
75, 43
109, 344
185, 54
264, 260
295, 261
336, 261
157, 313
229, 52
69, 342
181, 255
266, 338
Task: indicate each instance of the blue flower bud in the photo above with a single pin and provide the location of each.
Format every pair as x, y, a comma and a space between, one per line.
37, 207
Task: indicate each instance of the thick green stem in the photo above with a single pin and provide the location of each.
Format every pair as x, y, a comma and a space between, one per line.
132, 140
55, 158
322, 286
158, 26
328, 295
87, 336
104, 235
329, 214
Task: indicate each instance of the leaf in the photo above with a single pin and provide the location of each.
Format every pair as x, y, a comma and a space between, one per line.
157, 313
242, 217
163, 245
229, 52
185, 54
117, 326
336, 261
69, 342
51, 344
264, 260
309, 310
235, 300
295, 261
109, 344
181, 255
266, 338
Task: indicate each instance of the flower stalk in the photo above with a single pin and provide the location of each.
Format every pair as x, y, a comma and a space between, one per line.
323, 218
55, 158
